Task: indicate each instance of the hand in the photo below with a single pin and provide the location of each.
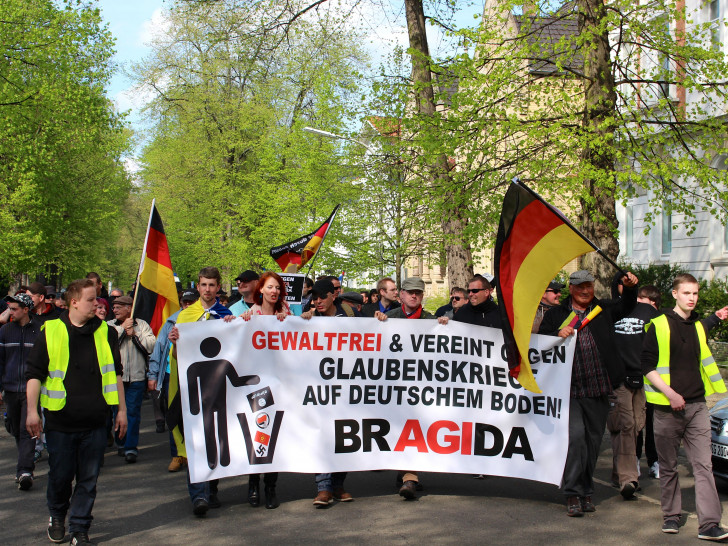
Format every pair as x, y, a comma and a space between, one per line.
120, 424
229, 318
281, 316
1, 397
566, 332
677, 402
722, 314
33, 424
128, 326
629, 280
246, 316
307, 315
151, 384
380, 316
443, 320
173, 335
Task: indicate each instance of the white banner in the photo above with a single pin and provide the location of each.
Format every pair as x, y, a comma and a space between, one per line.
348, 394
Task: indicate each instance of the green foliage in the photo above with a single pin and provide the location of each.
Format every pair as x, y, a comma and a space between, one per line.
713, 296
62, 183
659, 275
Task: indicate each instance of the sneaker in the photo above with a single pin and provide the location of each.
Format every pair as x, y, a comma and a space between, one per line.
324, 498
56, 530
716, 532
655, 470
37, 456
587, 505
25, 481
200, 507
670, 526
177, 464
573, 507
628, 490
80, 537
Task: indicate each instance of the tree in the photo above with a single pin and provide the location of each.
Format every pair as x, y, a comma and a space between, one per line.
61, 177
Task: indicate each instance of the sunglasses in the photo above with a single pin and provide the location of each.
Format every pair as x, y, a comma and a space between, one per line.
475, 290
554, 291
456, 298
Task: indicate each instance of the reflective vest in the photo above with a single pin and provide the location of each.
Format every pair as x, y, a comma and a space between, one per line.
52, 391
712, 380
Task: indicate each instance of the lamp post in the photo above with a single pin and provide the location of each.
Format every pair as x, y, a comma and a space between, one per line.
327, 134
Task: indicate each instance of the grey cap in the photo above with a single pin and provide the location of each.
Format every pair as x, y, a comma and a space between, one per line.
352, 297
581, 276
413, 283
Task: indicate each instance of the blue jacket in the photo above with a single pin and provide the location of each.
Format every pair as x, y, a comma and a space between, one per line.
160, 354
15, 344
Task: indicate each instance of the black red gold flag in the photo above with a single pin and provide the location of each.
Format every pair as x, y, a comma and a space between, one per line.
300, 251
535, 241
155, 298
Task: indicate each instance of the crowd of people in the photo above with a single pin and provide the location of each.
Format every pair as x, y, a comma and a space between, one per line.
635, 367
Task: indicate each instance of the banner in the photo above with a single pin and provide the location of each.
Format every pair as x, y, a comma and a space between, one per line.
294, 287
333, 395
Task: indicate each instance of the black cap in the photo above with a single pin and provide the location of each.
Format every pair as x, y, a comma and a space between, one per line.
190, 295
322, 288
556, 286
247, 276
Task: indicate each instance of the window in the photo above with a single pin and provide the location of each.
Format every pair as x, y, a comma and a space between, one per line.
714, 19
725, 239
629, 230
666, 230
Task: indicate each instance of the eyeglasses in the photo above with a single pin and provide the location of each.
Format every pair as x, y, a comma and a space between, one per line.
475, 290
456, 298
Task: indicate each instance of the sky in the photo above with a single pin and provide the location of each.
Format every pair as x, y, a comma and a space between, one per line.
133, 23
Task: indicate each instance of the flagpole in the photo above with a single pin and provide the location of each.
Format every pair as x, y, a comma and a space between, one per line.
144, 253
333, 215
598, 250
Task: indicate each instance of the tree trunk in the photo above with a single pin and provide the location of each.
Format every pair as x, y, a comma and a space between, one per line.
457, 249
599, 219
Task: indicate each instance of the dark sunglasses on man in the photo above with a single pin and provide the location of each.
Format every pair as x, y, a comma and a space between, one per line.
475, 290
455, 298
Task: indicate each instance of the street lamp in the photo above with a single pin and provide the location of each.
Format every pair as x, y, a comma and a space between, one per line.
323, 133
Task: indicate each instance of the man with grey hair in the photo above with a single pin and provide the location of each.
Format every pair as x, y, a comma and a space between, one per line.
594, 370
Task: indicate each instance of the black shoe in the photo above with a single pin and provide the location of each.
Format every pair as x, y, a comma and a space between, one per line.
214, 501
80, 537
121, 452
25, 481
628, 490
271, 500
160, 425
587, 505
130, 457
408, 490
56, 530
670, 526
716, 533
254, 494
200, 507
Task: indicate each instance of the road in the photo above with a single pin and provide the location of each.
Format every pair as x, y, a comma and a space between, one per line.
142, 503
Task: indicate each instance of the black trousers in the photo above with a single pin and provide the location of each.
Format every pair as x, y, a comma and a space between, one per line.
17, 410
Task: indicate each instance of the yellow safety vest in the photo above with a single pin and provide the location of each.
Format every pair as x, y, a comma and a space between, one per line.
52, 391
712, 380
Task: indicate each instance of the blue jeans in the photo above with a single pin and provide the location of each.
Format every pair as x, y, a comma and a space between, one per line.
163, 399
329, 482
74, 455
134, 395
201, 490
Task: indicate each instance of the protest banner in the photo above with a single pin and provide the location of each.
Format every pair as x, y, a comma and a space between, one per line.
332, 395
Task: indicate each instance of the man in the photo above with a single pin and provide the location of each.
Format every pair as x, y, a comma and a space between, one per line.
458, 299
158, 374
246, 282
679, 373
60, 301
74, 369
387, 300
595, 368
442, 310
550, 299
330, 486
136, 341
115, 293
364, 296
480, 309
354, 301
203, 495
16, 340
41, 308
411, 294
627, 403
306, 295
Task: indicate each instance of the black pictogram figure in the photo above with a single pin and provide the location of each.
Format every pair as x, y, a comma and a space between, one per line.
212, 398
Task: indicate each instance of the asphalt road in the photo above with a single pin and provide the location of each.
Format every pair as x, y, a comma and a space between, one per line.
143, 503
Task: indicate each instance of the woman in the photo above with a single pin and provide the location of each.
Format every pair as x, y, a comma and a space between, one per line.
269, 300
102, 308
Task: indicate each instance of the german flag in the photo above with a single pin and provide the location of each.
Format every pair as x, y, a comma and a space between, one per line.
155, 298
534, 242
300, 251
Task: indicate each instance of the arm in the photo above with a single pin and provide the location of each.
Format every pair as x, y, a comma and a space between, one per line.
32, 421
120, 423
146, 337
677, 403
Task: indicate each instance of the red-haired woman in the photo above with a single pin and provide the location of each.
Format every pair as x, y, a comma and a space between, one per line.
269, 298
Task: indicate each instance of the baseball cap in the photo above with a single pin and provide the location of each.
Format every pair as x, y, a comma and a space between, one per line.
247, 276
322, 288
556, 286
190, 295
23, 299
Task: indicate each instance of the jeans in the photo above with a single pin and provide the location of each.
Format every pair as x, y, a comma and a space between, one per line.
17, 409
74, 455
134, 395
201, 490
164, 400
329, 482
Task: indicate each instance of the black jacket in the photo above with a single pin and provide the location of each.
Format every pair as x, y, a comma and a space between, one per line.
601, 328
483, 314
85, 408
368, 309
15, 344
